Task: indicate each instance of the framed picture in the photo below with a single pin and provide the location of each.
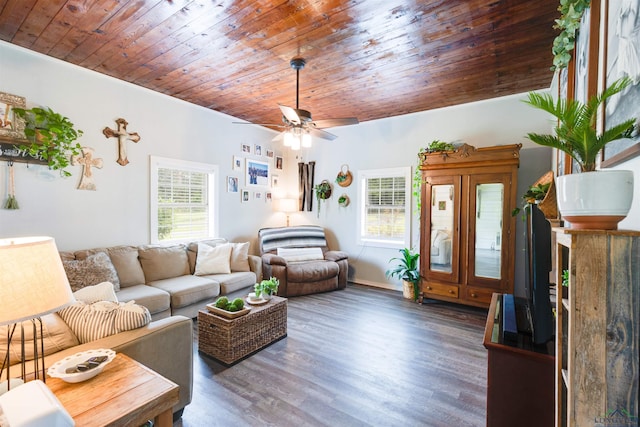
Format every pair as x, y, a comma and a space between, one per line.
238, 162
246, 148
257, 173
268, 197
257, 149
621, 58
244, 197
278, 162
11, 128
274, 180
232, 184
257, 195
270, 154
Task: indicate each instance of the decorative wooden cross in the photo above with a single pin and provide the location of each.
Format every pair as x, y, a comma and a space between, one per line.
87, 161
122, 135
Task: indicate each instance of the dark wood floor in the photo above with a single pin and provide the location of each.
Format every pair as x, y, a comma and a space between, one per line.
357, 357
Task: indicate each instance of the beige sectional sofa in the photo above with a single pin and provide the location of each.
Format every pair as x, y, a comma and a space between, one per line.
162, 278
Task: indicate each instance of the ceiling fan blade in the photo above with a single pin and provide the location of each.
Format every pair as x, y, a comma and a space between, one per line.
260, 124
322, 134
331, 123
290, 114
279, 137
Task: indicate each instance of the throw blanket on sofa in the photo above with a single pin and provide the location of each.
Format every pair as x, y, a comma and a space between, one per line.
303, 236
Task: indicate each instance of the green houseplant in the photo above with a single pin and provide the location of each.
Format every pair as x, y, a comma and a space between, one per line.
581, 197
323, 192
266, 288
51, 136
407, 270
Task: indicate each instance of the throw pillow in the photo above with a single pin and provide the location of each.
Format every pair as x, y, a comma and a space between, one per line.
240, 257
100, 292
101, 319
94, 269
212, 260
57, 337
300, 254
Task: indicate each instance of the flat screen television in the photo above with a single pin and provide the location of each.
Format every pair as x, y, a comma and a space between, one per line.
538, 268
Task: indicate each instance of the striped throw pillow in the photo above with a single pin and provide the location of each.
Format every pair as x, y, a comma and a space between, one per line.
100, 319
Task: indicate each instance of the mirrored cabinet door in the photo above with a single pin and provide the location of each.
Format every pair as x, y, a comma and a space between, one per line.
443, 219
487, 228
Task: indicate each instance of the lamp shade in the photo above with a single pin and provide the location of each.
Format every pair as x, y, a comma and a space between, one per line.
286, 205
32, 279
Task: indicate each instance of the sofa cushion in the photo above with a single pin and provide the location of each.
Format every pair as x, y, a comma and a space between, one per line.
96, 268
311, 271
156, 300
234, 281
124, 259
240, 257
187, 290
300, 254
101, 292
57, 336
163, 262
213, 260
103, 318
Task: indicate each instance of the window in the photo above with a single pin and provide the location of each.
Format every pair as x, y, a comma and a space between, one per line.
385, 204
183, 200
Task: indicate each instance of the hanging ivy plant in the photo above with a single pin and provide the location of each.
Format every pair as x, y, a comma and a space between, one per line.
571, 12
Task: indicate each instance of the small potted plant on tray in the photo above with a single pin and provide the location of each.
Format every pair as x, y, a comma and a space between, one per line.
407, 271
266, 288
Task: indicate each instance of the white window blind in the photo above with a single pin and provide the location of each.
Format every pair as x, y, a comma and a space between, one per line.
385, 207
183, 199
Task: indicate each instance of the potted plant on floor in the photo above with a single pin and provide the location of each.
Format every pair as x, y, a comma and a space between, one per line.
267, 288
51, 136
407, 271
586, 199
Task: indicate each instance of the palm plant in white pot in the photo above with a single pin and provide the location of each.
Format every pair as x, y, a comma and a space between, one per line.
581, 197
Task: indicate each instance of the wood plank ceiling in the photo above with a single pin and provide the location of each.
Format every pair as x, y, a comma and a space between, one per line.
369, 59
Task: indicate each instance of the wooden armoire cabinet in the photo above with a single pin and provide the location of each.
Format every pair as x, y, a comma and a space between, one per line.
467, 232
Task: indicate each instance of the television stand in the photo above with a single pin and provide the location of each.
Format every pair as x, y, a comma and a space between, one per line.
520, 379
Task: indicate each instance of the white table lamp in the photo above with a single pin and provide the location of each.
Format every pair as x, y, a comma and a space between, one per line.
33, 283
286, 206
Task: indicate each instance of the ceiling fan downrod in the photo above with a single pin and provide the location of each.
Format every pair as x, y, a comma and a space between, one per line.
297, 64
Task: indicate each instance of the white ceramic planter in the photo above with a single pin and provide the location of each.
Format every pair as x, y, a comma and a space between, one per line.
595, 200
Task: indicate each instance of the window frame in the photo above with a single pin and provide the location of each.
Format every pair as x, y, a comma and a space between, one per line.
156, 163
363, 176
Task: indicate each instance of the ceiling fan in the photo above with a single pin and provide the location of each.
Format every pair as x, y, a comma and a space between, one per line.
298, 122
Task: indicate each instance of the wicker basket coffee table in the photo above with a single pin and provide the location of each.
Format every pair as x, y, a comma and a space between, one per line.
230, 340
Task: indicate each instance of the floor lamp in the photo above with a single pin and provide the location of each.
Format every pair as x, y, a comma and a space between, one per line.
33, 283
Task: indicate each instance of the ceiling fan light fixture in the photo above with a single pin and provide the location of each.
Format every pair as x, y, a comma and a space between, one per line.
288, 139
306, 139
295, 142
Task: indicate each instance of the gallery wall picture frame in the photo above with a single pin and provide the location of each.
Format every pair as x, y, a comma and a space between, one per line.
279, 162
270, 154
274, 180
246, 148
11, 126
257, 173
238, 163
257, 195
232, 184
622, 38
244, 196
257, 149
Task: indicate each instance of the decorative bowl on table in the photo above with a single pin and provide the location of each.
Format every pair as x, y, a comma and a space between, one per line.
61, 368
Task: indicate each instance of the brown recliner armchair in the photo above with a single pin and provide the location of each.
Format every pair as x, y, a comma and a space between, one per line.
301, 260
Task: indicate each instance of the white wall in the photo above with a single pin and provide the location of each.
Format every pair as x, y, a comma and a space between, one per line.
118, 212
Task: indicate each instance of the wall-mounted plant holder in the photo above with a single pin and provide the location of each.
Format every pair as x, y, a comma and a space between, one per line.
344, 177
343, 200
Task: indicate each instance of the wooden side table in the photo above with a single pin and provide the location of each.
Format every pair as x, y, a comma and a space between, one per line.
125, 393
